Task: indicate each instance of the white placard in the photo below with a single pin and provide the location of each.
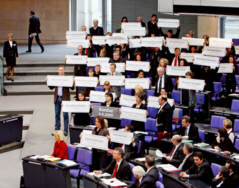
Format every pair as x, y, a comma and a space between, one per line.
114, 80
127, 100
72, 35
86, 81
130, 25
97, 96
188, 56
194, 41
169, 23
76, 59
78, 42
177, 71
152, 42
121, 35
237, 50
153, 102
225, 68
133, 114
94, 141
105, 67
99, 40
62, 81
93, 61
214, 51
135, 43
137, 65
76, 106
219, 42
116, 40
138, 31
176, 43
121, 137
131, 83
212, 62
191, 84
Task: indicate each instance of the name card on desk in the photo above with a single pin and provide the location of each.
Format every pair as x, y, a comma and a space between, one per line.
85, 81
97, 96
114, 80
137, 65
62, 81
127, 100
93, 61
133, 114
194, 41
78, 42
214, 51
156, 42
219, 42
153, 102
76, 59
169, 23
135, 43
173, 43
99, 40
225, 68
76, 106
177, 71
72, 35
121, 137
106, 112
212, 62
105, 67
131, 83
191, 84
94, 141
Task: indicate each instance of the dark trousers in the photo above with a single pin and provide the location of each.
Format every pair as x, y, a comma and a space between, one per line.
37, 40
58, 116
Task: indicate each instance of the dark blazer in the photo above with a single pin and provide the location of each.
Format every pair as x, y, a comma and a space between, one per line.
164, 118
124, 171
187, 163
226, 183
153, 28
234, 180
79, 70
81, 119
203, 173
65, 93
150, 178
34, 25
10, 53
131, 150
101, 132
178, 156
97, 31
227, 145
138, 125
168, 85
192, 134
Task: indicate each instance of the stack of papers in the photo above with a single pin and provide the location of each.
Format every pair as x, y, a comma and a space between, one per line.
202, 145
168, 167
67, 163
159, 153
113, 182
45, 157
99, 175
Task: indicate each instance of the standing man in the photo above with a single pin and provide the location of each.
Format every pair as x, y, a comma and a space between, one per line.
34, 31
96, 30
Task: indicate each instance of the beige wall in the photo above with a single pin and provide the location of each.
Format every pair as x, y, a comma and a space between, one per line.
208, 25
53, 14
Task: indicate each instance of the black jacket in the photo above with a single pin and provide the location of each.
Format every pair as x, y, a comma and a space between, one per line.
178, 156
138, 125
34, 25
97, 31
187, 163
124, 171
150, 178
192, 134
8, 51
164, 118
153, 29
203, 173
168, 85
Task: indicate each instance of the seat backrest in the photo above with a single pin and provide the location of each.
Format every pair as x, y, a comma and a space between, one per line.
150, 93
237, 77
200, 98
176, 96
236, 126
139, 147
160, 177
177, 114
99, 88
84, 157
217, 121
71, 151
159, 184
126, 91
215, 168
237, 143
132, 175
152, 112
125, 122
201, 134
235, 105
217, 87
150, 125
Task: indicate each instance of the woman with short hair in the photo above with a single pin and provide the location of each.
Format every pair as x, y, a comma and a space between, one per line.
60, 147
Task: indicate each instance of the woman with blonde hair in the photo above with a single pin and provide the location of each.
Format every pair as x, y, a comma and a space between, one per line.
60, 147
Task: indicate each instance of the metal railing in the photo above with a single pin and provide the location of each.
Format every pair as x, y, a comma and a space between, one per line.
1, 76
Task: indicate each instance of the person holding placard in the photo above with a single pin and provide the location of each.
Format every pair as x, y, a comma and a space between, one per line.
90, 51
175, 58
139, 90
140, 20
230, 78
116, 89
61, 94
107, 87
116, 57
96, 30
124, 19
170, 33
152, 26
79, 70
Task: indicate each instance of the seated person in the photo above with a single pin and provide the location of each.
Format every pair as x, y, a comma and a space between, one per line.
60, 147
227, 124
139, 173
119, 168
81, 119
188, 131
176, 155
223, 143
200, 170
222, 179
233, 173
188, 159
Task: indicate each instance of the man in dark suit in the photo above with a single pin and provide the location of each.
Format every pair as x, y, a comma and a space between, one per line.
96, 30
233, 174
34, 31
119, 168
163, 82
176, 155
174, 58
200, 170
188, 131
164, 116
222, 180
153, 26
188, 159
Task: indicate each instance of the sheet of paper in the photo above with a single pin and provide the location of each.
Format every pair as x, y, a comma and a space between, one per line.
94, 141
72, 35
105, 67
62, 81
86, 81
106, 112
116, 40
130, 25
212, 62
169, 23
121, 137
167, 167
177, 71
191, 84
137, 31
135, 43
225, 68
220, 42
214, 51
152, 42
137, 65
194, 41
93, 61
159, 153
67, 163
76, 106
127, 100
189, 56
76, 59
78, 42
237, 50
114, 80
131, 83
153, 102
97, 96
113, 182
133, 114
173, 43
99, 40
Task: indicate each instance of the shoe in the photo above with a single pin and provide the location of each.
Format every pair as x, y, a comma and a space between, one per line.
28, 51
42, 50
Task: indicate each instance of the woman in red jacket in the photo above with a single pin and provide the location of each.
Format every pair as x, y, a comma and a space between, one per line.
60, 147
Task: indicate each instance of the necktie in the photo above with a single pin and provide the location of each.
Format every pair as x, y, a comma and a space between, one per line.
171, 153
115, 170
175, 61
